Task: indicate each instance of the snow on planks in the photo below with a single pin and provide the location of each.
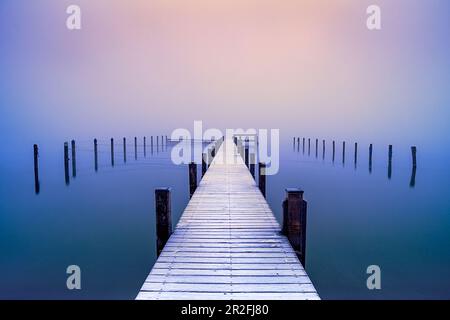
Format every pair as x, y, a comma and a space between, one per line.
227, 244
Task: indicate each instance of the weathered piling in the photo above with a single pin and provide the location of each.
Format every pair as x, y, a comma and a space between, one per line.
192, 178
157, 143
414, 156
66, 163
112, 152
145, 147
124, 150
317, 148
74, 159
135, 148
309, 146
204, 163
151, 144
356, 154
334, 150
412, 182
303, 146
294, 221
298, 144
323, 149
252, 164
370, 157
343, 152
37, 185
163, 218
95, 155
390, 162
262, 178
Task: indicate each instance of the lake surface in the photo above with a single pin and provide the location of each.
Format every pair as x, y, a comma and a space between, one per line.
104, 221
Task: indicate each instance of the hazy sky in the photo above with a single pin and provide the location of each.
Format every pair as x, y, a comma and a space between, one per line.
306, 67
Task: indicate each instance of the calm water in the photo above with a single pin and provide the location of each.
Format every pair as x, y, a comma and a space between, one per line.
104, 221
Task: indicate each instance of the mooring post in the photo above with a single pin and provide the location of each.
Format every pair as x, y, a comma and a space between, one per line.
414, 155
124, 150
36, 169
145, 147
370, 157
323, 149
317, 148
343, 152
204, 164
294, 221
163, 218
262, 178
74, 159
157, 143
356, 154
298, 144
95, 155
66, 163
112, 152
303, 145
135, 148
334, 150
309, 146
192, 178
151, 144
390, 162
252, 164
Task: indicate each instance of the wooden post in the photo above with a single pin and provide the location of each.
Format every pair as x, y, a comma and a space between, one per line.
303, 146
135, 148
204, 164
370, 157
37, 186
163, 218
252, 164
151, 144
66, 163
334, 150
213, 152
157, 144
95, 155
112, 152
124, 150
309, 146
298, 144
414, 155
145, 147
192, 178
294, 222
390, 162
74, 159
317, 148
356, 154
262, 178
323, 149
343, 152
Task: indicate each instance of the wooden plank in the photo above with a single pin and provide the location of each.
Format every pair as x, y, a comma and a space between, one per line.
227, 244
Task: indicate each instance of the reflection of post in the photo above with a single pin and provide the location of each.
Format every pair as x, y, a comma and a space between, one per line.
163, 218
66, 163
37, 186
294, 221
412, 182
370, 157
390, 162
74, 160
95, 155
112, 152
262, 178
192, 178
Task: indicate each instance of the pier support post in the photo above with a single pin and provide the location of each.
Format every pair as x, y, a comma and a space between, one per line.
192, 178
294, 221
95, 155
252, 164
163, 218
66, 163
262, 178
112, 152
36, 169
247, 157
74, 159
204, 164
124, 150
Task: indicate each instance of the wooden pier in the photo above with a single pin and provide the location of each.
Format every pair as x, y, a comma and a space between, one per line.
228, 244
